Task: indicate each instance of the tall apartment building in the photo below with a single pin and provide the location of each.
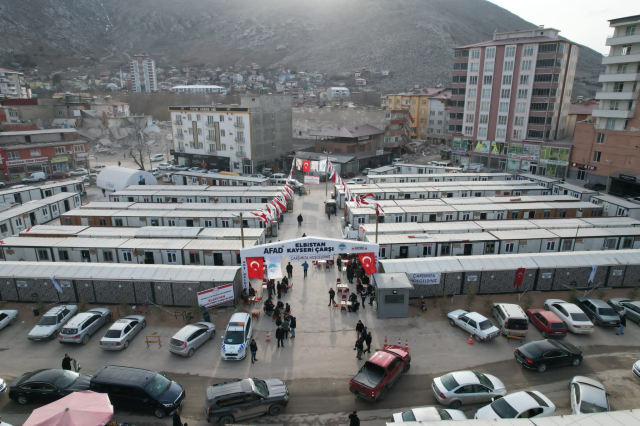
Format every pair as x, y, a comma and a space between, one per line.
510, 100
12, 85
608, 146
240, 139
143, 74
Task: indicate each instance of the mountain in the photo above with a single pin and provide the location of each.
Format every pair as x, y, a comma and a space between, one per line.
411, 38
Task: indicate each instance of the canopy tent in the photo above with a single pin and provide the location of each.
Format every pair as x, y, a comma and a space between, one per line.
117, 178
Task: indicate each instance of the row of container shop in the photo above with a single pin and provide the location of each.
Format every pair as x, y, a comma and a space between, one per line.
37, 212
21, 194
179, 196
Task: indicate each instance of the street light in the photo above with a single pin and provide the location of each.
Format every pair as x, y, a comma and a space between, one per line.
326, 177
241, 227
609, 174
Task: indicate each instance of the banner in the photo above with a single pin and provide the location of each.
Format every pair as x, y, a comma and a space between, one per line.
216, 296
305, 257
255, 267
368, 262
298, 163
274, 268
425, 279
312, 180
306, 166
519, 277
55, 283
314, 166
322, 166
592, 276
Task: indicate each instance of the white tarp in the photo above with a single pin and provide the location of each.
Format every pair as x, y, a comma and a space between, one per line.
116, 178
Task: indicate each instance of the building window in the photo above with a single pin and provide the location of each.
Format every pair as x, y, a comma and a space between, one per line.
126, 256
611, 124
486, 93
501, 133
535, 134
547, 48
475, 66
508, 247
510, 51
488, 66
484, 118
505, 93
524, 79
223, 146
190, 131
43, 254
626, 124
490, 53
473, 79
596, 156
542, 78
521, 107
221, 118
508, 66
503, 107
523, 93
78, 148
502, 120
13, 155
526, 65
551, 245
517, 134
625, 50
63, 254
487, 79
471, 106
506, 79
527, 51
545, 63
471, 94
172, 258
107, 255
469, 119
519, 121
59, 150
475, 53
482, 131
468, 130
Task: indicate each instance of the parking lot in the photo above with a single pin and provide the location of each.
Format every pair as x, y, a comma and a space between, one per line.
319, 362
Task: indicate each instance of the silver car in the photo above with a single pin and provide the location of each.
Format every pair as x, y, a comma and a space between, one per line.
615, 302
51, 322
121, 332
467, 387
80, 328
588, 396
191, 337
7, 317
633, 310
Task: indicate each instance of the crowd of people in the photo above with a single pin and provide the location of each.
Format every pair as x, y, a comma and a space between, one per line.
280, 312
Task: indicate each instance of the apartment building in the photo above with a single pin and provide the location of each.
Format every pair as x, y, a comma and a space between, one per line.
199, 88
237, 138
397, 129
607, 148
12, 85
510, 100
336, 93
143, 74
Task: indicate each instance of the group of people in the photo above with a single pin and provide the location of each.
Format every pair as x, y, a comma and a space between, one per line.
364, 337
278, 288
285, 321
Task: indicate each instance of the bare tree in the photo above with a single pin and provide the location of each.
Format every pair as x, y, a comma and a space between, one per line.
137, 153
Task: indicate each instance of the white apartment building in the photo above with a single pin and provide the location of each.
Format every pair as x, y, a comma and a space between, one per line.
12, 85
337, 92
143, 74
199, 89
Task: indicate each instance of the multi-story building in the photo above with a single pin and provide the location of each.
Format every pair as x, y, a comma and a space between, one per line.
12, 85
398, 129
607, 147
239, 139
334, 93
510, 100
199, 89
143, 74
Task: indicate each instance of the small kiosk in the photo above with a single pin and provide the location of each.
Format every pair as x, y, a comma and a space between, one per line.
392, 295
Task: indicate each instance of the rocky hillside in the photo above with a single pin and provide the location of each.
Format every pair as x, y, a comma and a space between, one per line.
411, 38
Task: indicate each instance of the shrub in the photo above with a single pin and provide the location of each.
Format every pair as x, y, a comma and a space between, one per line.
488, 304
471, 297
83, 306
528, 301
634, 293
602, 294
442, 303
573, 295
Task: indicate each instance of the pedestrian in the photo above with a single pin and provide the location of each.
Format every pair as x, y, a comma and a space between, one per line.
623, 321
359, 328
66, 362
354, 420
300, 219
372, 295
350, 273
339, 262
304, 234
176, 418
363, 295
367, 340
366, 280
278, 320
279, 290
280, 336
292, 326
270, 288
104, 192
119, 164
286, 326
329, 215
253, 347
305, 266
287, 309
289, 269
359, 347
125, 156
360, 273
332, 295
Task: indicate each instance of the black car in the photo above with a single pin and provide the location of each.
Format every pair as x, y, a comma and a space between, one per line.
135, 388
47, 385
541, 354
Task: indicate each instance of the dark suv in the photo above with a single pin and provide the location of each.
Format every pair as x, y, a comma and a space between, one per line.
242, 399
135, 388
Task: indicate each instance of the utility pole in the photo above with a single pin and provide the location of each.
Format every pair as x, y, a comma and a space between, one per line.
609, 174
241, 229
377, 224
326, 180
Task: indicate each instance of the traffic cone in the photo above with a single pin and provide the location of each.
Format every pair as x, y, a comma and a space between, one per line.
268, 338
470, 341
399, 342
406, 344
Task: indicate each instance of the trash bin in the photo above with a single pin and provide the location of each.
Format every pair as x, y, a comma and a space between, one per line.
205, 315
301, 191
36, 312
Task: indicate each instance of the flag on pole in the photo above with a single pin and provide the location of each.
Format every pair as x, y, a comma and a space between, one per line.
255, 267
368, 263
306, 166
55, 283
519, 277
592, 276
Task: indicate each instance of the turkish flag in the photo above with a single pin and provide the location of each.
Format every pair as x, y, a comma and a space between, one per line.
306, 166
368, 261
519, 277
255, 267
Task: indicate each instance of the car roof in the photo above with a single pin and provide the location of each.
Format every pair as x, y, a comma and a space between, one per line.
121, 375
543, 345
550, 316
599, 303
476, 316
55, 310
187, 330
465, 377
44, 376
79, 319
426, 413
634, 303
383, 358
239, 317
521, 401
123, 322
229, 388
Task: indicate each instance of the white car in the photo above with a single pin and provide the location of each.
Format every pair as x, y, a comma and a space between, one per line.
588, 396
78, 172
397, 160
257, 175
357, 181
156, 173
467, 387
519, 405
236, 339
635, 200
97, 168
7, 317
52, 322
157, 157
636, 369
428, 414
121, 332
575, 319
479, 326
165, 166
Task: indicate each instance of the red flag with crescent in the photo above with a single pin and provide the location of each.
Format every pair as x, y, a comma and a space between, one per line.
306, 166
281, 205
368, 261
519, 277
255, 267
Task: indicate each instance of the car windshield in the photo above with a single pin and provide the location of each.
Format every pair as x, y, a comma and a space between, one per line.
444, 415
607, 312
588, 408
484, 380
157, 386
261, 387
449, 382
408, 416
579, 317
48, 320
486, 324
503, 409
234, 337
66, 380
113, 334
557, 326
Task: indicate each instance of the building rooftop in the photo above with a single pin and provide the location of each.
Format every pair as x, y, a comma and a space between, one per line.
424, 91
197, 86
11, 71
586, 109
38, 132
355, 131
511, 41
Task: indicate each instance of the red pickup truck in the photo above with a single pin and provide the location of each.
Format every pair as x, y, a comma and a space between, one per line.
380, 372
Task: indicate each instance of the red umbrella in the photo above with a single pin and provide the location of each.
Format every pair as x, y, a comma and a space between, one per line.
84, 408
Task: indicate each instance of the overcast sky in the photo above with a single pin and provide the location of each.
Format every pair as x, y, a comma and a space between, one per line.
581, 21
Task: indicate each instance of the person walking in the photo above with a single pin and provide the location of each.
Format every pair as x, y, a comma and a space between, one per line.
270, 288
176, 418
292, 326
360, 348
119, 164
279, 290
368, 340
350, 273
66, 362
289, 269
339, 262
332, 295
300, 219
329, 215
305, 266
363, 295
104, 192
372, 295
286, 326
623, 321
360, 273
280, 336
253, 347
354, 420
359, 328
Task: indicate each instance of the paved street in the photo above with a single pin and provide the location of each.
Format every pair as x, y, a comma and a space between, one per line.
319, 362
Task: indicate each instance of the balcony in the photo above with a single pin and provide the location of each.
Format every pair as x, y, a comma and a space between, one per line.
618, 58
624, 39
210, 123
210, 138
178, 123
180, 149
616, 96
240, 154
239, 124
612, 113
614, 76
239, 140
179, 136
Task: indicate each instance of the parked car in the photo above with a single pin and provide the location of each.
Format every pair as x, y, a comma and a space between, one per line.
616, 302
80, 328
258, 176
97, 168
510, 317
157, 157
45, 386
599, 312
633, 310
143, 389
3, 389
122, 332
380, 372
180, 168
2, 186
466, 387
213, 171
90, 178
165, 166
195, 169
267, 171
636, 369
7, 317
191, 337
52, 322
35, 177
228, 402
519, 405
105, 151
59, 175
78, 172
549, 324
357, 181
480, 327
276, 176
348, 175
237, 337
397, 160
156, 173
366, 171
575, 319
588, 396
542, 354
635, 200
428, 414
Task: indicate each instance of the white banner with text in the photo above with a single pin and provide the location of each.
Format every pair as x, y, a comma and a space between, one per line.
425, 278
312, 180
216, 296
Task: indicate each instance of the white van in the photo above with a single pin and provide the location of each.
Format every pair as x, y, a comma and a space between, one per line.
167, 177
510, 317
35, 177
157, 157
236, 339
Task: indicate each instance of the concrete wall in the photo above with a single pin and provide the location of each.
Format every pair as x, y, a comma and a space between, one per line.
311, 120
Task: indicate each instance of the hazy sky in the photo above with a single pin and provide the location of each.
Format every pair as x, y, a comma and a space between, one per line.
581, 21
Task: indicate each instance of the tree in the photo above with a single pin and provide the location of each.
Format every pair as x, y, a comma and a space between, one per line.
137, 153
471, 296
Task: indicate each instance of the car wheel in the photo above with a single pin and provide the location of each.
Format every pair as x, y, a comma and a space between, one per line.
406, 368
85, 339
546, 307
125, 345
213, 335
575, 362
542, 368
274, 410
159, 413
40, 180
190, 353
455, 404
225, 420
13, 321
477, 338
144, 324
22, 400
383, 395
544, 334
452, 322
